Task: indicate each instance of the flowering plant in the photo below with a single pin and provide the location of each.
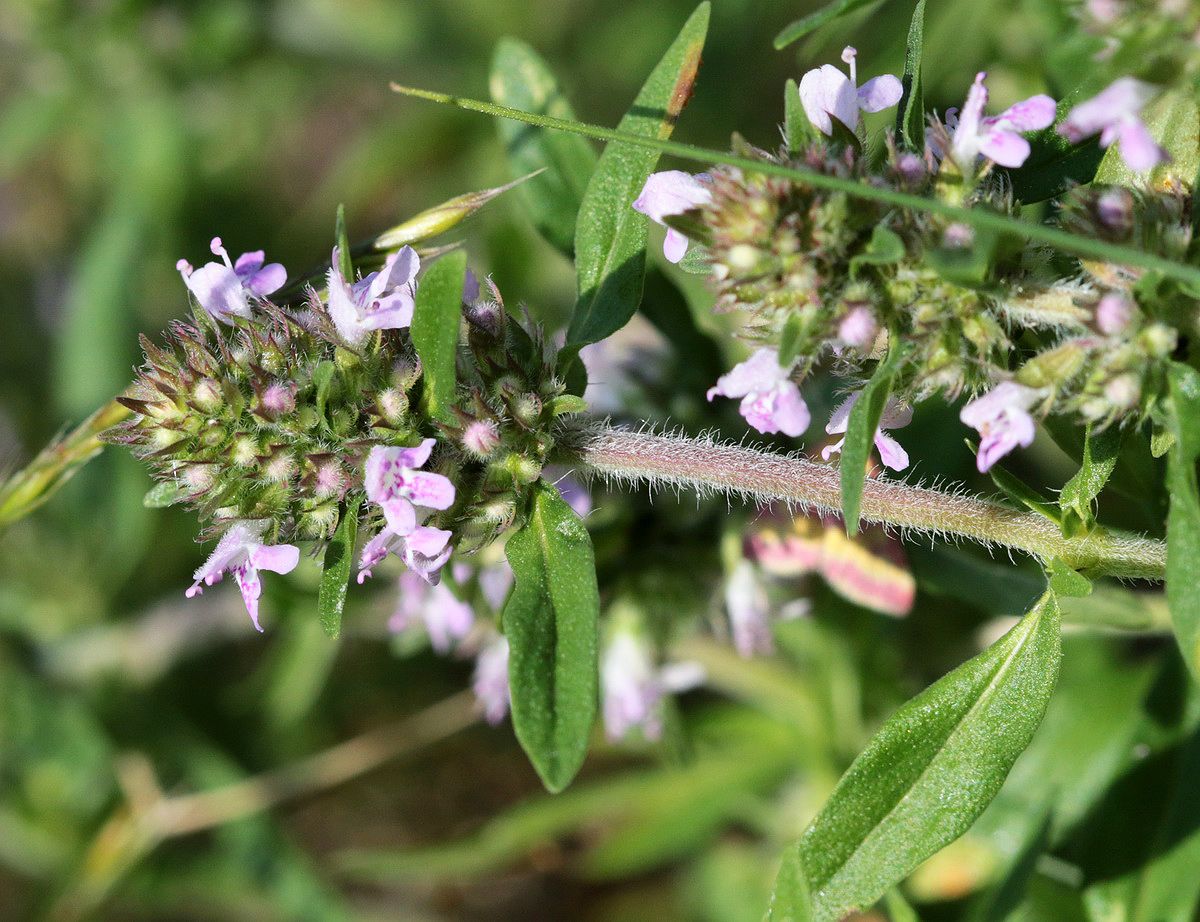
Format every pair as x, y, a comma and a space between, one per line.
1030, 271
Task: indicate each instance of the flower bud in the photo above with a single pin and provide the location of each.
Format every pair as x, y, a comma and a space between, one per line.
526, 409
279, 466
207, 395
1123, 392
858, 328
481, 437
521, 469
244, 451
392, 405
1114, 313
1159, 340
1114, 209
278, 399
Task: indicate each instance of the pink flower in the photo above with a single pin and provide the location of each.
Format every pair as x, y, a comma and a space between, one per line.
771, 401
858, 328
633, 686
424, 550
672, 192
395, 484
1001, 417
1114, 313
997, 137
382, 300
1113, 114
490, 681
224, 289
749, 611
242, 553
895, 416
446, 618
826, 93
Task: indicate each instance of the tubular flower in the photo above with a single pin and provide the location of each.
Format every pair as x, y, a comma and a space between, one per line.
1001, 417
224, 289
382, 300
242, 553
490, 681
771, 401
895, 416
826, 93
446, 618
1113, 114
996, 137
634, 687
672, 192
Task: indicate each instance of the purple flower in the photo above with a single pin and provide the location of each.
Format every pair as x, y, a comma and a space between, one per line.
1113, 114
1114, 313
446, 618
395, 484
424, 550
858, 328
749, 611
242, 553
894, 416
826, 93
633, 686
1001, 416
490, 682
224, 289
997, 137
495, 580
382, 300
771, 401
672, 192
571, 489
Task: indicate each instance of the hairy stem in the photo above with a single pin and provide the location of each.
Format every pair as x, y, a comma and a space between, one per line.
705, 465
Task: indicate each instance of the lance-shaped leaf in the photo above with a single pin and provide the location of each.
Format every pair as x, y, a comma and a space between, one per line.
813, 21
790, 899
436, 314
860, 433
345, 260
1100, 450
932, 768
610, 237
910, 114
1183, 520
798, 131
550, 622
335, 569
521, 79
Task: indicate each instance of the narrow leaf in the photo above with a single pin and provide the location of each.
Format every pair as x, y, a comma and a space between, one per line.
910, 113
932, 768
345, 263
1023, 494
550, 622
790, 899
1065, 582
521, 79
860, 433
335, 569
1183, 520
610, 237
1100, 450
798, 130
435, 323
813, 21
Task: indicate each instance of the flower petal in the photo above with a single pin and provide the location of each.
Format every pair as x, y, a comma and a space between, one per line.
1032, 114
1004, 147
267, 280
675, 245
671, 192
433, 491
1139, 150
891, 452
219, 291
760, 372
251, 586
278, 558
880, 93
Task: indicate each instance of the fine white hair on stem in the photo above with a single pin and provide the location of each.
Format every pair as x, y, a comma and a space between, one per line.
707, 464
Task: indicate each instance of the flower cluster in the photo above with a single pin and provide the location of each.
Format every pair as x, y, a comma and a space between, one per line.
276, 421
821, 280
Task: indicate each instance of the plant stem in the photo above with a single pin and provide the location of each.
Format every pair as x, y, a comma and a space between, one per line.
705, 465
1088, 247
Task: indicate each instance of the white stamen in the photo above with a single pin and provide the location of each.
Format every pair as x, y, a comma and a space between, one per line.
849, 55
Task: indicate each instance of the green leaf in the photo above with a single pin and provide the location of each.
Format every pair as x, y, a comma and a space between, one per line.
610, 237
521, 79
345, 262
436, 315
813, 21
790, 899
1100, 450
1183, 520
932, 768
335, 569
798, 130
1065, 582
322, 379
898, 908
789, 340
550, 622
162, 495
885, 248
860, 433
910, 113
1023, 494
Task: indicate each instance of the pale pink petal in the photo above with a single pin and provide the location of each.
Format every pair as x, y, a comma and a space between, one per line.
1120, 99
1031, 114
791, 412
830, 450
399, 514
432, 491
267, 280
427, 540
671, 192
760, 372
278, 558
251, 586
1138, 147
812, 100
840, 418
675, 245
1004, 147
880, 93
249, 263
219, 291
891, 452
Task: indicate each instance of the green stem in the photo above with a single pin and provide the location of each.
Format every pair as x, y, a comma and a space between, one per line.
1086, 247
765, 477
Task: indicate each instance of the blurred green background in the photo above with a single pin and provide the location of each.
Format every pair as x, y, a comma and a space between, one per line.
130, 134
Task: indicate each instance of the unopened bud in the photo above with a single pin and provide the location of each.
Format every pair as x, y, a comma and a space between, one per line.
526, 409
481, 438
487, 317
197, 478
279, 399
207, 396
330, 479
1159, 340
1114, 313
1123, 392
858, 328
279, 466
523, 470
392, 405
1114, 208
244, 451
